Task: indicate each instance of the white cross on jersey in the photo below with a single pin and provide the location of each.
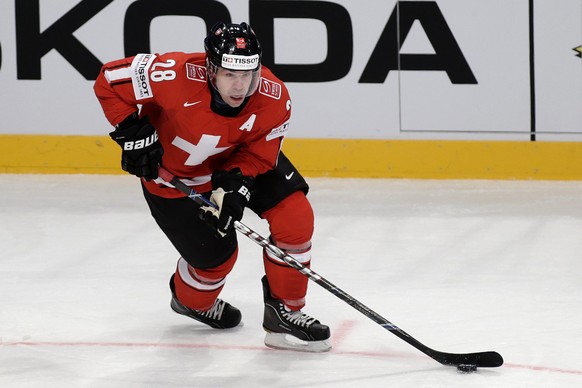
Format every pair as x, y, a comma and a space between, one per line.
206, 147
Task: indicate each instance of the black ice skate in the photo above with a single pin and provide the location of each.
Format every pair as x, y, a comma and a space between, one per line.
221, 315
292, 330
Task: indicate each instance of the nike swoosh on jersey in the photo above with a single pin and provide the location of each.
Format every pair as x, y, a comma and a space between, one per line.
187, 104
290, 175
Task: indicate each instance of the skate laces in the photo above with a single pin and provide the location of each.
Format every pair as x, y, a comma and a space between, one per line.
297, 317
216, 310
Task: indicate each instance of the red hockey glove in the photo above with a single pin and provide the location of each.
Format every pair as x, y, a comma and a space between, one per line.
142, 152
231, 193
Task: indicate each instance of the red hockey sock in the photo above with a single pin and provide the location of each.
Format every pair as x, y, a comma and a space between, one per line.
291, 225
198, 288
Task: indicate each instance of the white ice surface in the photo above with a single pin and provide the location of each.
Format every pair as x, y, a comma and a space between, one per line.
462, 266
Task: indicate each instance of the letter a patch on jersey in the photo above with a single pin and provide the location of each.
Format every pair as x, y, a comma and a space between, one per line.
270, 88
248, 125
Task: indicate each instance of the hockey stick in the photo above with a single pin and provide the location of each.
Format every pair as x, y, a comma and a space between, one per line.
480, 359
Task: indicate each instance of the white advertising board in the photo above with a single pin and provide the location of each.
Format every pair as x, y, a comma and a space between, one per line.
486, 85
469, 69
558, 69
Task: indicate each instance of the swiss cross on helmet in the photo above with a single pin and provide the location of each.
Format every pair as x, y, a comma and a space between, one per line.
233, 47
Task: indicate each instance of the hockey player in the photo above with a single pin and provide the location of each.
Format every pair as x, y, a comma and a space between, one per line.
217, 120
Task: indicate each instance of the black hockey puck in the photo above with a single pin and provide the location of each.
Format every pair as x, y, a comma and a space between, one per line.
466, 368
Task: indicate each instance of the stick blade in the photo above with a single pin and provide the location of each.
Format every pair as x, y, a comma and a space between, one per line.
482, 359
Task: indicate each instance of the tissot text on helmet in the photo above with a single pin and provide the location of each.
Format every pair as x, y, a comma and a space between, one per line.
240, 62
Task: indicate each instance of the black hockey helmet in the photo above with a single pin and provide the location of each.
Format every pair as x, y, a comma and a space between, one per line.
233, 40
233, 47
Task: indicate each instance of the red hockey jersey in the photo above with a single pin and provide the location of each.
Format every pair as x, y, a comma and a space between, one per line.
172, 91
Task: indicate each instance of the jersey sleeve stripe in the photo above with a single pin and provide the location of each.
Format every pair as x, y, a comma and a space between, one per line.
118, 75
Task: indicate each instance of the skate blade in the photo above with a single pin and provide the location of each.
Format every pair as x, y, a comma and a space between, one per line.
289, 342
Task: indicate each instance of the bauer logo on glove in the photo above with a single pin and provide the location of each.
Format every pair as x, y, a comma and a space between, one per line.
141, 150
231, 194
141, 143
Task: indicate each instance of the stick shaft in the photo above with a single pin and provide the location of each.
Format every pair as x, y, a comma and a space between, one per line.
482, 359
